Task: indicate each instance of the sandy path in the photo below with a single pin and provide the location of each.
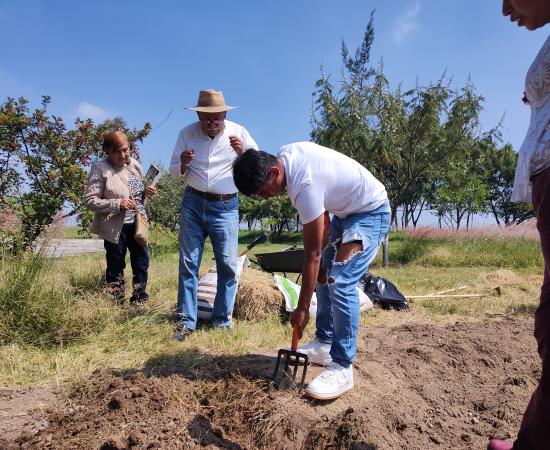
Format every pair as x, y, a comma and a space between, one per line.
56, 248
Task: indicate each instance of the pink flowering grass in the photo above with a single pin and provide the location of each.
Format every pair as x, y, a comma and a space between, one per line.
515, 247
525, 230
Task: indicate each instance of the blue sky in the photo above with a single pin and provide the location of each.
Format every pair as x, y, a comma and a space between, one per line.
143, 59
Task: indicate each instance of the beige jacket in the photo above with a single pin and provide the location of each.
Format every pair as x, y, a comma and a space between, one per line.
106, 187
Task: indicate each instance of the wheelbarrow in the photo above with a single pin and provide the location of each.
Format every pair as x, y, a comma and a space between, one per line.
289, 260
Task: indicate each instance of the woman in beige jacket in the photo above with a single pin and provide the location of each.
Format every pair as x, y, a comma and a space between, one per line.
108, 195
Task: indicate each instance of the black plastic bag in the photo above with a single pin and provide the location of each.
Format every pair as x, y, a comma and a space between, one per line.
383, 292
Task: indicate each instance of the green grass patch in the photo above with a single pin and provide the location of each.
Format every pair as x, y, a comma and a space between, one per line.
465, 252
76, 232
57, 322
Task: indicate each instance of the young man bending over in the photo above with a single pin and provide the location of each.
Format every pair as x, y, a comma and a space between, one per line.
318, 179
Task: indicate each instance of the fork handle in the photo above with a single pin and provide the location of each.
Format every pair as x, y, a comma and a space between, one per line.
295, 337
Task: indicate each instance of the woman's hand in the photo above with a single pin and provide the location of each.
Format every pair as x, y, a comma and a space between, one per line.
127, 203
150, 191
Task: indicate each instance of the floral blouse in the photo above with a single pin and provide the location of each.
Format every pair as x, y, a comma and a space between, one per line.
534, 154
136, 185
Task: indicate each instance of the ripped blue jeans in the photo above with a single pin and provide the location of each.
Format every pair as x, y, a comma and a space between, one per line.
337, 319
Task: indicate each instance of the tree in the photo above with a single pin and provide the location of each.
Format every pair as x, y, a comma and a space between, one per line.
277, 213
165, 208
44, 163
500, 179
459, 197
405, 138
280, 213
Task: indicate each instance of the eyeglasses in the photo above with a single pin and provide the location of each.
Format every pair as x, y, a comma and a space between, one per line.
121, 150
212, 119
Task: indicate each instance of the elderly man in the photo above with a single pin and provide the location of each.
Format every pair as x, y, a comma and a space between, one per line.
204, 152
318, 179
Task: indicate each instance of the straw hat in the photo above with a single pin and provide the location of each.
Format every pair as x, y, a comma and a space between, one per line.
211, 101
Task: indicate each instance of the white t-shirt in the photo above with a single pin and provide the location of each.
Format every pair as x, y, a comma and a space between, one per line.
319, 179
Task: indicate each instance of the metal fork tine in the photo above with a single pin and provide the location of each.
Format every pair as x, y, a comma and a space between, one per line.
300, 387
276, 373
287, 361
296, 365
286, 370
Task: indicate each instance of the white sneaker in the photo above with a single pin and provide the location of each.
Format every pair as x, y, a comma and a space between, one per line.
317, 352
331, 383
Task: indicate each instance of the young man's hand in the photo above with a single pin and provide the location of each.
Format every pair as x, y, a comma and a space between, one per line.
299, 318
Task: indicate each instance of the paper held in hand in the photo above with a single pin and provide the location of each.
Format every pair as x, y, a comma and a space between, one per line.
151, 178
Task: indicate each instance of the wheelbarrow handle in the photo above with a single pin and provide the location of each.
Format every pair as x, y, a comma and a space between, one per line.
295, 337
259, 240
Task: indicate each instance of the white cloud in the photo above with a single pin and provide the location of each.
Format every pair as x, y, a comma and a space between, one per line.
87, 110
407, 23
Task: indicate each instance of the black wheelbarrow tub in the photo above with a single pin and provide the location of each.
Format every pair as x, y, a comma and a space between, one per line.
290, 260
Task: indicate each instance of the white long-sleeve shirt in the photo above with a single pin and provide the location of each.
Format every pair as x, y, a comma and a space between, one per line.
211, 170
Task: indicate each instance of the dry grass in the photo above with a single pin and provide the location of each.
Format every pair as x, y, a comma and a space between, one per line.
519, 293
236, 401
258, 296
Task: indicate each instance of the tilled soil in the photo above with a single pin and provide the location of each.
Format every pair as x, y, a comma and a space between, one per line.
417, 387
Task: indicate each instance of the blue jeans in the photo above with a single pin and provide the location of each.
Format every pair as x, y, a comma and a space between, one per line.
220, 221
337, 319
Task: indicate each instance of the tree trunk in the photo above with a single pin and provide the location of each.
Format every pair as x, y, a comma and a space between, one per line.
495, 213
394, 216
415, 220
386, 251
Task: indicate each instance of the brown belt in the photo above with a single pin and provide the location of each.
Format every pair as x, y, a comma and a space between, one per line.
209, 196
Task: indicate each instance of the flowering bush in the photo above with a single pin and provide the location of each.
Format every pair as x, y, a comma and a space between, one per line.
43, 164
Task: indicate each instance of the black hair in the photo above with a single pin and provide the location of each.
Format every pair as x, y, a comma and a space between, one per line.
250, 170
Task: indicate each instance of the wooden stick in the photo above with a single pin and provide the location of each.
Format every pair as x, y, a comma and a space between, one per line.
450, 290
446, 296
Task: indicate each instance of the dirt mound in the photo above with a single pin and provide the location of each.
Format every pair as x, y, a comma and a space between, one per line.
501, 277
416, 387
257, 296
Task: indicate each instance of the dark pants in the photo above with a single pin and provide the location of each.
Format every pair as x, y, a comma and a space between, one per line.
534, 432
116, 262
